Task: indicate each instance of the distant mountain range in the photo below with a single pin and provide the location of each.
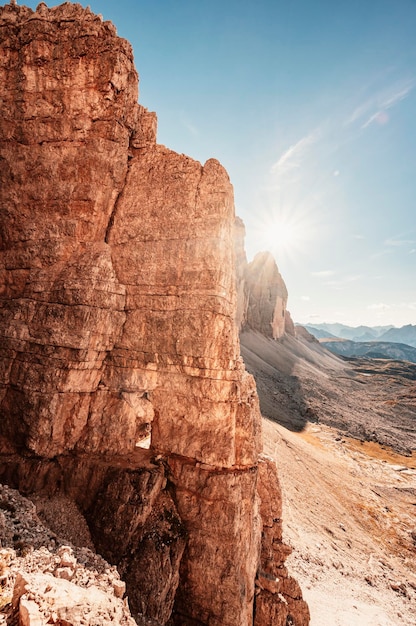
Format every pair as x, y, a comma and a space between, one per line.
404, 335
371, 349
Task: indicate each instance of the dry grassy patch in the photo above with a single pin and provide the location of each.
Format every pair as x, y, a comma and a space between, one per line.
381, 452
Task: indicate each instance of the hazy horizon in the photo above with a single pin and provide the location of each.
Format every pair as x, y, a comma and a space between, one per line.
377, 326
311, 320
310, 108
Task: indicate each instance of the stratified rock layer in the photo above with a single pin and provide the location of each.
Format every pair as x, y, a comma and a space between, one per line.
118, 304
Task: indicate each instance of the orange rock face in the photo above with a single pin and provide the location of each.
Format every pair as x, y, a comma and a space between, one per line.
68, 111
118, 305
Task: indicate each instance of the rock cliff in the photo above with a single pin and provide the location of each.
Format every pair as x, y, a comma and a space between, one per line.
262, 293
117, 324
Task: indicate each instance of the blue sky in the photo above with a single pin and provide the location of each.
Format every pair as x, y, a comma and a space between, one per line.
311, 107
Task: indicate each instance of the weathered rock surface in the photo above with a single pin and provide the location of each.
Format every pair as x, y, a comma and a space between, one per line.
279, 598
118, 305
289, 325
265, 297
131, 517
219, 509
45, 581
43, 599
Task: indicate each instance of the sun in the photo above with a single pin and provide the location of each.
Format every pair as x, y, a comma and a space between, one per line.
283, 235
289, 232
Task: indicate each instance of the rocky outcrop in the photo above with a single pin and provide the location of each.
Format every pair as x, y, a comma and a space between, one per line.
118, 304
279, 598
45, 581
266, 298
131, 517
289, 325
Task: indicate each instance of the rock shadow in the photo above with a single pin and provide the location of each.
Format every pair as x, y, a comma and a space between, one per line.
280, 393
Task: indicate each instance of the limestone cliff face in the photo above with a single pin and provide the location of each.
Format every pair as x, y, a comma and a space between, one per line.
241, 268
265, 298
118, 301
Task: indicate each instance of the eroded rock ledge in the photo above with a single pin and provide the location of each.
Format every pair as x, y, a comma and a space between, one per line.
118, 299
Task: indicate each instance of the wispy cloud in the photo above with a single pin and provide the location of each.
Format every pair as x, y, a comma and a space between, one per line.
402, 307
397, 96
323, 273
305, 180
379, 306
342, 282
305, 298
374, 108
335, 284
359, 112
381, 253
292, 158
397, 242
381, 117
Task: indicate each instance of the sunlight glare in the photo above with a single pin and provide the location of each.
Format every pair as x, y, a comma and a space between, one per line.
283, 235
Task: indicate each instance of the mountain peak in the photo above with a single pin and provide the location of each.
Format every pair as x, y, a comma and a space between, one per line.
266, 297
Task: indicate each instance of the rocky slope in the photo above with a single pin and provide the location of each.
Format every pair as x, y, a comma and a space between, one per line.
354, 533
45, 580
299, 381
118, 306
343, 437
